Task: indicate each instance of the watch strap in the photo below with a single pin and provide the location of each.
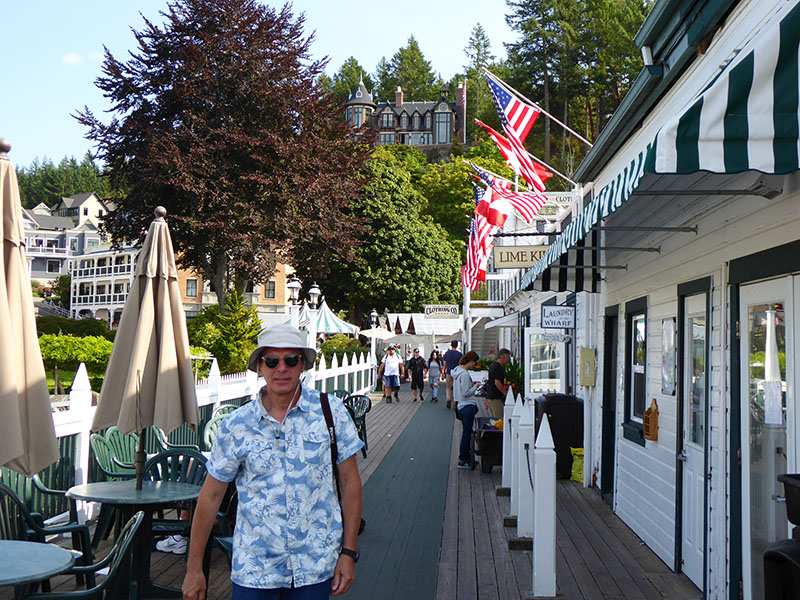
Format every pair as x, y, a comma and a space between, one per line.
354, 554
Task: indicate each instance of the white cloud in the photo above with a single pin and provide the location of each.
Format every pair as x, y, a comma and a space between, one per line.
72, 59
96, 57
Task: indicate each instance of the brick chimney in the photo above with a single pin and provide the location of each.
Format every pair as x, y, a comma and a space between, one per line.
398, 97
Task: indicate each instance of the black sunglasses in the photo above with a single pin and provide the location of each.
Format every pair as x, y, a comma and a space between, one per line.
290, 360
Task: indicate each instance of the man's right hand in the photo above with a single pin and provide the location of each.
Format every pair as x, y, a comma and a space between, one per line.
194, 586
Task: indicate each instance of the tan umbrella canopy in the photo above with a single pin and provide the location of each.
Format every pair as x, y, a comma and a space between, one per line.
27, 436
149, 378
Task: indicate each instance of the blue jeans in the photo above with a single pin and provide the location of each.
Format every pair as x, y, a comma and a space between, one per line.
467, 418
317, 591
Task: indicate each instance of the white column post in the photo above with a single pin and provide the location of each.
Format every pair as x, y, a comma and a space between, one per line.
508, 409
525, 467
80, 405
294, 314
214, 383
518, 408
544, 513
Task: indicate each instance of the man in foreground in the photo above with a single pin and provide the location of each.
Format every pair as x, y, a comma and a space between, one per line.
291, 538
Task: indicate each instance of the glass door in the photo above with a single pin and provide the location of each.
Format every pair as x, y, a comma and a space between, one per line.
768, 405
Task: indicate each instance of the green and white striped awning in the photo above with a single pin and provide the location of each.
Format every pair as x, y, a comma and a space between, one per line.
746, 119
327, 321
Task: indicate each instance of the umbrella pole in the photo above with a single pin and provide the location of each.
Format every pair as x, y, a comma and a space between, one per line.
139, 461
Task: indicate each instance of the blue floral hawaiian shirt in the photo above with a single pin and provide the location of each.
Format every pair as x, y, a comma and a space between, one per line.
288, 522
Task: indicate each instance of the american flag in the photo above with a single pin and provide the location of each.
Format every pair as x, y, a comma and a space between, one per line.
527, 204
475, 269
484, 230
515, 115
517, 158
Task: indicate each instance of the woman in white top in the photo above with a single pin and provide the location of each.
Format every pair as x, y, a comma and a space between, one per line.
466, 403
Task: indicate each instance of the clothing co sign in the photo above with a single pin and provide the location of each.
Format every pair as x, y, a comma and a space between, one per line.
517, 257
441, 311
558, 317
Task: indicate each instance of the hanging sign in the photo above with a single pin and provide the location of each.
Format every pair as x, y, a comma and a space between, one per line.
441, 311
558, 317
517, 257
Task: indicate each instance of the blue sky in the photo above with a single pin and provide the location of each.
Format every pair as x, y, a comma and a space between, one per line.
53, 53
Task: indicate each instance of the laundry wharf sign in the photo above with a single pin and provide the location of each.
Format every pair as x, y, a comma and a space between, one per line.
441, 311
558, 317
517, 257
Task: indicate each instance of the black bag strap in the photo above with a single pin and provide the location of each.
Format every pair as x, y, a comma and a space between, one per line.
326, 412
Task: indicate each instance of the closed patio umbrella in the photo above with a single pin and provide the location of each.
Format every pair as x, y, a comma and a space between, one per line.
27, 436
149, 378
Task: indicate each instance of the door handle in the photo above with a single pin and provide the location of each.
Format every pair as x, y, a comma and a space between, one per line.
682, 456
779, 499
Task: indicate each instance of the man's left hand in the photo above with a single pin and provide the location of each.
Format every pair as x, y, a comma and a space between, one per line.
343, 575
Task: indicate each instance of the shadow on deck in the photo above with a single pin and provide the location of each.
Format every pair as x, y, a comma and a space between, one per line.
436, 532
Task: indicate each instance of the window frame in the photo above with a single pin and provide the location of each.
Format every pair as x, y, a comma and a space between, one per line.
444, 121
58, 266
192, 280
269, 290
633, 426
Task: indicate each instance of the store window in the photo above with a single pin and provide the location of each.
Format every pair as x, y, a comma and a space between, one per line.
545, 362
635, 369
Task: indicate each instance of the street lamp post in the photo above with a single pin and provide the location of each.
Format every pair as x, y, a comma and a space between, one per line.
294, 295
373, 321
313, 297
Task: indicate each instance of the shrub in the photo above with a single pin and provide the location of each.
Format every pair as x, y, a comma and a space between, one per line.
76, 327
340, 345
69, 351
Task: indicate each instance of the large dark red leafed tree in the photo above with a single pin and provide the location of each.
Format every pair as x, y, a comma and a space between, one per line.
217, 117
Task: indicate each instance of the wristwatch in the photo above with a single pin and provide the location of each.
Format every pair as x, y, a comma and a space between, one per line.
354, 554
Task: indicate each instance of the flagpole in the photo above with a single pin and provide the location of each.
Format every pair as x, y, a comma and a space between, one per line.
539, 108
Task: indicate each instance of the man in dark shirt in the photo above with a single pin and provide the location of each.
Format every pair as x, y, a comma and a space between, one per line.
496, 389
416, 366
451, 358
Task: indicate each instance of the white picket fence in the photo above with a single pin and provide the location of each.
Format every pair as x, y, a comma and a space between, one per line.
356, 374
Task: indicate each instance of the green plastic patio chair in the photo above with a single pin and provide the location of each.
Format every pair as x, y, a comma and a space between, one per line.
123, 446
210, 431
182, 466
223, 409
118, 555
112, 470
158, 442
341, 394
358, 405
17, 523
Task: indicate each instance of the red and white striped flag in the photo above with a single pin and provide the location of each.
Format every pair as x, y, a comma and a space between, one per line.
494, 208
517, 158
515, 115
527, 204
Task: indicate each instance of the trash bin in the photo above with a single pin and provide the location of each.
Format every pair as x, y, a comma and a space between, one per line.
565, 414
782, 559
488, 444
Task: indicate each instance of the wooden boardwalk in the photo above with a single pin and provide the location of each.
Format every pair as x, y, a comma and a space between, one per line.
436, 532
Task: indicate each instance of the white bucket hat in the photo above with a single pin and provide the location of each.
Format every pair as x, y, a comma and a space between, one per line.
282, 335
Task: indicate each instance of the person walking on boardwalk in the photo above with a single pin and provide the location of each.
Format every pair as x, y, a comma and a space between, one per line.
466, 404
496, 388
292, 539
391, 369
451, 358
416, 367
434, 374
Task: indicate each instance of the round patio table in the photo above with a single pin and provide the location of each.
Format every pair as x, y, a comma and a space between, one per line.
124, 496
26, 562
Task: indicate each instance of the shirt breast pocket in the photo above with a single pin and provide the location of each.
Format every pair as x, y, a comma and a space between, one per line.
261, 457
317, 446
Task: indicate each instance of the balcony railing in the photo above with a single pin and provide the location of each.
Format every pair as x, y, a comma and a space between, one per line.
93, 272
46, 251
497, 288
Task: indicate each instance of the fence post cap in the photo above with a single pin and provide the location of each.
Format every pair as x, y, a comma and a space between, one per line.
544, 440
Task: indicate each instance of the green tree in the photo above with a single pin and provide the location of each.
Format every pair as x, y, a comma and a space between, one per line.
219, 119
410, 70
479, 56
405, 259
345, 81
44, 182
61, 290
68, 352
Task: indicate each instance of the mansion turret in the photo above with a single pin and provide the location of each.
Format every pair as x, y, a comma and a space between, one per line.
430, 124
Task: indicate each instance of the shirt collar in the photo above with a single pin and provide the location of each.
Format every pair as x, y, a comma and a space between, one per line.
303, 404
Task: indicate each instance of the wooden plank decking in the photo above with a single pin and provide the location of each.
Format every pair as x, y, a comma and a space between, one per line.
436, 532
